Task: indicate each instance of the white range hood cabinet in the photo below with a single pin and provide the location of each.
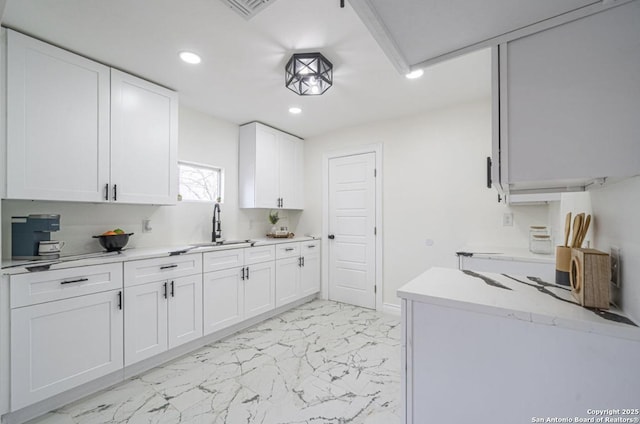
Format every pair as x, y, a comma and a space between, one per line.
418, 33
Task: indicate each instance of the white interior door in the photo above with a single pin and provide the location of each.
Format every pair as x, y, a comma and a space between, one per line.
352, 255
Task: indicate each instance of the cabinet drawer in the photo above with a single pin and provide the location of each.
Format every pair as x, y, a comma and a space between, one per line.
40, 287
148, 270
255, 255
287, 250
309, 247
223, 259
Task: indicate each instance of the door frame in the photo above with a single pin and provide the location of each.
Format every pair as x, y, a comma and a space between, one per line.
359, 150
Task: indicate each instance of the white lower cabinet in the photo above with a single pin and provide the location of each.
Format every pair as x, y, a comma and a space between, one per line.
235, 293
223, 299
297, 271
162, 314
58, 345
310, 271
146, 323
287, 280
259, 289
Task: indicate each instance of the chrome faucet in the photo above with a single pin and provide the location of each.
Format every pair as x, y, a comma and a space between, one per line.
217, 231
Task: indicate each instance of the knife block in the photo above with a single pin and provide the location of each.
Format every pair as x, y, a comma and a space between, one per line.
590, 275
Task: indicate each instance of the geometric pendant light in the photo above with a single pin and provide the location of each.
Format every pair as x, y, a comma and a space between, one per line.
308, 74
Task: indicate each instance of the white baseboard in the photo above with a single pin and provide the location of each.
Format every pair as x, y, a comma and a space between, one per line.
390, 308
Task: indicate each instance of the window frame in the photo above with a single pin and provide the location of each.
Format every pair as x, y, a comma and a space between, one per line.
218, 169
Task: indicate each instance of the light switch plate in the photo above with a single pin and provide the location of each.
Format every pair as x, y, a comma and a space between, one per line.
507, 219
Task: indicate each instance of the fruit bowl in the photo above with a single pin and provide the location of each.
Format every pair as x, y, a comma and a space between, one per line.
113, 242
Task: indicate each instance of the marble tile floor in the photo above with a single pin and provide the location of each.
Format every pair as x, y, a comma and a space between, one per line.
321, 363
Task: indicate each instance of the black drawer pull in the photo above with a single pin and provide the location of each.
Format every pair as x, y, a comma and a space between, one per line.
115, 192
106, 191
311, 246
288, 249
247, 273
168, 266
302, 261
120, 300
165, 289
173, 289
242, 274
79, 280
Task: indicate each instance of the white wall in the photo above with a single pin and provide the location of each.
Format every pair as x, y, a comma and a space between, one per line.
616, 221
202, 139
434, 170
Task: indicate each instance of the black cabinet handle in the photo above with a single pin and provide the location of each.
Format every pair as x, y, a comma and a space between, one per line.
120, 300
303, 261
165, 289
115, 192
247, 273
79, 280
242, 274
162, 268
106, 191
288, 249
331, 236
489, 172
311, 246
300, 261
282, 202
173, 289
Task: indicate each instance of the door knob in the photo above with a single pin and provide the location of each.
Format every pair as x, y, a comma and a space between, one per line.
331, 236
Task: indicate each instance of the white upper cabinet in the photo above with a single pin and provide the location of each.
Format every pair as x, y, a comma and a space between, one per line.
144, 134
271, 168
57, 123
80, 131
568, 103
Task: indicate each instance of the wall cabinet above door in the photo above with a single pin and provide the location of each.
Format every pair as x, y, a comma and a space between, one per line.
271, 168
566, 102
80, 131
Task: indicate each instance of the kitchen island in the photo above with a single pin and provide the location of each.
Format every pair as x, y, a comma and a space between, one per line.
483, 347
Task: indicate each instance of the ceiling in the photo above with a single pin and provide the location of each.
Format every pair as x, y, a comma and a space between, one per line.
423, 32
241, 77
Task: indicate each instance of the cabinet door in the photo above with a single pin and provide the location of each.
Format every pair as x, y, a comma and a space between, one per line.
185, 310
223, 299
570, 99
287, 280
267, 166
57, 123
310, 275
259, 289
144, 141
290, 172
56, 346
145, 332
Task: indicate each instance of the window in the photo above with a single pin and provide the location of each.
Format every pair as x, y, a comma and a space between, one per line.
199, 183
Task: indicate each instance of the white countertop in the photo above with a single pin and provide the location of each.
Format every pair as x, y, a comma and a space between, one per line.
525, 299
133, 254
508, 254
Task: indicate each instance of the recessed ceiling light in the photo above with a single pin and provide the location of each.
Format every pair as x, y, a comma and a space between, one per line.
190, 57
415, 74
295, 110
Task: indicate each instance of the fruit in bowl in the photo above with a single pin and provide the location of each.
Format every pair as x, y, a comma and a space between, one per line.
114, 240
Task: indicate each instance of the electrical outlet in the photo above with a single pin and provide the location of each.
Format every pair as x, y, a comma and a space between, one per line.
146, 226
615, 266
507, 219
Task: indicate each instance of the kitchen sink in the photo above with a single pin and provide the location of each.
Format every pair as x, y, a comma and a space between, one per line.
222, 243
